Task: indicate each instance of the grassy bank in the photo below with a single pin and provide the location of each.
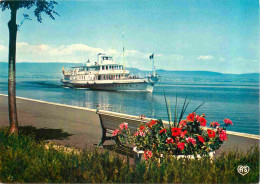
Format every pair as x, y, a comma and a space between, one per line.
23, 159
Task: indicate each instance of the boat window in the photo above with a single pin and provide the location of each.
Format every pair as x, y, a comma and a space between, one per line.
103, 67
106, 67
107, 58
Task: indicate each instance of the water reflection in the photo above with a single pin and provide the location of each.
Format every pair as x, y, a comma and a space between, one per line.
124, 102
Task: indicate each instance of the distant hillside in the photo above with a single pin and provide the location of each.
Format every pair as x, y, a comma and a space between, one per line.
40, 67
182, 76
200, 76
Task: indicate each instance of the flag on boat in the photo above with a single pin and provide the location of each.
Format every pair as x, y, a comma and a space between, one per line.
151, 56
63, 70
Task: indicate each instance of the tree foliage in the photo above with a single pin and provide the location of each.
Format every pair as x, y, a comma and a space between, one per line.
41, 6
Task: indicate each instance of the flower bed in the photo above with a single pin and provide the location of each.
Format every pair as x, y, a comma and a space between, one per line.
187, 137
23, 160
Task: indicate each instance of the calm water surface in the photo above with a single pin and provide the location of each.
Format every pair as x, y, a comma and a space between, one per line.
238, 102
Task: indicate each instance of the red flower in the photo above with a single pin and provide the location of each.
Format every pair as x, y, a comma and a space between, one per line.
116, 131
228, 122
211, 133
223, 135
151, 123
181, 145
136, 134
176, 132
162, 131
141, 128
169, 140
201, 139
191, 140
123, 126
183, 123
191, 117
142, 134
147, 155
214, 124
202, 121
183, 133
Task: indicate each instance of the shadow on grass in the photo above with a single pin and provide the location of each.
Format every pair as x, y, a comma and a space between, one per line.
44, 133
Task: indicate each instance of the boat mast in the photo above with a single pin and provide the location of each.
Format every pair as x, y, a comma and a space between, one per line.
124, 52
153, 66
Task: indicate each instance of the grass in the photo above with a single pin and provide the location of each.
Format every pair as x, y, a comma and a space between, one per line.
24, 159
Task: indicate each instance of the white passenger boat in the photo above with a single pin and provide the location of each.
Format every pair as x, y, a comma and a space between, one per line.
106, 75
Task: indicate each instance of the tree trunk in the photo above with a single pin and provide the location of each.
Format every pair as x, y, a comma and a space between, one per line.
11, 75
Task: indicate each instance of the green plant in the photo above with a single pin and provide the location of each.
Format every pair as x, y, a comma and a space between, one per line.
22, 159
182, 137
189, 137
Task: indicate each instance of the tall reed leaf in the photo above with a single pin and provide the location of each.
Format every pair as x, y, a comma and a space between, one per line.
169, 119
182, 111
176, 112
169, 107
199, 107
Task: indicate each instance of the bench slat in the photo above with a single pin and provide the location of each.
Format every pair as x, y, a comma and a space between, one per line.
113, 123
110, 121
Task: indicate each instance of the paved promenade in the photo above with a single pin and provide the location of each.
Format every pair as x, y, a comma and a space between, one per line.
80, 127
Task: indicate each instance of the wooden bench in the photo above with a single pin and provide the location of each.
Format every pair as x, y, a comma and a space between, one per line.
110, 121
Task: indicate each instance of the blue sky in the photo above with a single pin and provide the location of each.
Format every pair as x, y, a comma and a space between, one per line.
221, 36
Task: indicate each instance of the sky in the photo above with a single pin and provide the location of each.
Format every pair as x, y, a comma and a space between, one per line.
184, 35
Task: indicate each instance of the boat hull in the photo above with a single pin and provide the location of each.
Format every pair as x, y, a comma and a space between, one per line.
138, 86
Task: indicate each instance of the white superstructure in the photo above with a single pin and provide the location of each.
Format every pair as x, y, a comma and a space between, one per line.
104, 74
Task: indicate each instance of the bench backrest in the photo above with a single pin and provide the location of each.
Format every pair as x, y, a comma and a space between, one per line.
112, 120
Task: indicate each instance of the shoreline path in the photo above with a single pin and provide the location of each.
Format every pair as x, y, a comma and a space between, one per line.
82, 126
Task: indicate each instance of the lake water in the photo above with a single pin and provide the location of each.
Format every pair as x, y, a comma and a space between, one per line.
236, 101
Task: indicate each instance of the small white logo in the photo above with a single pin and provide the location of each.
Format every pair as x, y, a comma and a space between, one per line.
243, 170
